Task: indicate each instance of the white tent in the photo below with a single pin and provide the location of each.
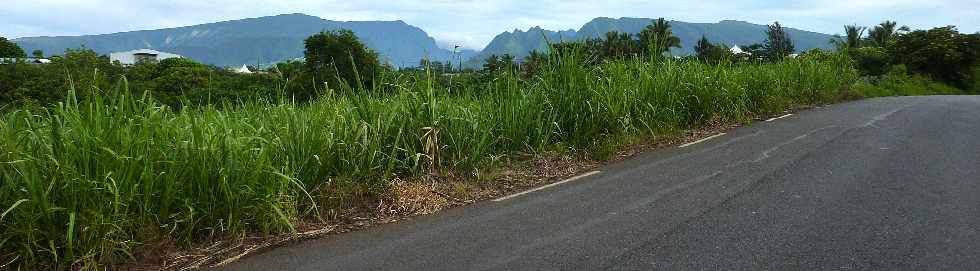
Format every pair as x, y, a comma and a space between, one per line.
737, 51
243, 69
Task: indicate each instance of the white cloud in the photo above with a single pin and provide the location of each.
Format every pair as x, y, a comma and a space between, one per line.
473, 23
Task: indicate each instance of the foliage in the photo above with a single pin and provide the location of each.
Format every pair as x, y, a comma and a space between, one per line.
883, 34
103, 168
619, 46
533, 63
873, 61
778, 43
86, 182
497, 64
897, 82
942, 52
756, 49
853, 37
659, 38
581, 52
177, 77
23, 83
10, 49
437, 67
339, 58
706, 51
174, 82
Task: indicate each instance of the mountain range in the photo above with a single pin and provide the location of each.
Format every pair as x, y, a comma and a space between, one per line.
263, 40
519, 43
277, 38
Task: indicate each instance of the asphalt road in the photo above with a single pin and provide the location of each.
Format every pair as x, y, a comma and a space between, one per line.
878, 184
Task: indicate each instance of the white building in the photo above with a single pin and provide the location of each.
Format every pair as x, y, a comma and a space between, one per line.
140, 55
28, 60
737, 50
243, 69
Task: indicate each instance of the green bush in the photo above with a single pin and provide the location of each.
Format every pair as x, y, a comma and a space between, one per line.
871, 61
942, 53
898, 82
340, 59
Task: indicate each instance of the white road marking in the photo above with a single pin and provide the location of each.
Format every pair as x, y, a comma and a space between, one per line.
776, 118
701, 140
548, 186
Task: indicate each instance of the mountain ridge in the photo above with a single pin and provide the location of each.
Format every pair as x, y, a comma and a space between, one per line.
731, 32
250, 40
270, 39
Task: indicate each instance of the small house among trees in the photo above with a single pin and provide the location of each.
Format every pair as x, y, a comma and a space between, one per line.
140, 55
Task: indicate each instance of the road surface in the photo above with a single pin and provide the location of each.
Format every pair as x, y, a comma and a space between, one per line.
879, 184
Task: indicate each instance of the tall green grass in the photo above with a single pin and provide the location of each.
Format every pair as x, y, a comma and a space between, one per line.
85, 183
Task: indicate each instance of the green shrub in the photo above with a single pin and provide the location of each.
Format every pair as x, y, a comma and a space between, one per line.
898, 82
871, 61
340, 59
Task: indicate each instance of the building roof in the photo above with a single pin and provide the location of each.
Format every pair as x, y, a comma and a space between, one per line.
30, 60
243, 69
133, 56
736, 50
143, 52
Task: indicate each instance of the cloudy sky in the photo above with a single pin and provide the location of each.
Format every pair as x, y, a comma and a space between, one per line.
473, 23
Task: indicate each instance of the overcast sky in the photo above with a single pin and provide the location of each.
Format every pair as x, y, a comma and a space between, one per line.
473, 23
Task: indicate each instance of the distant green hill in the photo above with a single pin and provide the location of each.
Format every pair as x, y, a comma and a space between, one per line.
519, 43
266, 39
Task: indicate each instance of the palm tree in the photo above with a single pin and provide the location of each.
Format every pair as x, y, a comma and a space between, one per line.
885, 32
617, 45
628, 43
703, 47
659, 38
854, 34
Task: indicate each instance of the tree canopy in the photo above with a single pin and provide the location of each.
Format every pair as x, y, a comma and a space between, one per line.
707, 51
10, 49
884, 33
340, 58
778, 43
853, 37
941, 52
659, 38
619, 45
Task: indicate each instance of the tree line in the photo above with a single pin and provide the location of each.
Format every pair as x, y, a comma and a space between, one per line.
338, 60
941, 53
654, 42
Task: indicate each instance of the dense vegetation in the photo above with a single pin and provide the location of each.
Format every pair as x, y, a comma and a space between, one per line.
10, 49
941, 53
99, 171
520, 43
